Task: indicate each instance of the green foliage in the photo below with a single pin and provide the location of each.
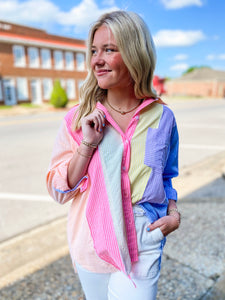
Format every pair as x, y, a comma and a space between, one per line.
191, 69
58, 97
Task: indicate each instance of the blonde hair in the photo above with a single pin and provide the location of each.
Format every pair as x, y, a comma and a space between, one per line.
137, 49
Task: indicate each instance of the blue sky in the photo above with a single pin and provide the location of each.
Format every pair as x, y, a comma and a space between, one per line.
186, 32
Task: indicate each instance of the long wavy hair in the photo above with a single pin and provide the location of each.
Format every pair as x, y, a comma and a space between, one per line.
137, 49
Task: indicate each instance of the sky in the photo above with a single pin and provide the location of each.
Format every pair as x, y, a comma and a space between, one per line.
186, 33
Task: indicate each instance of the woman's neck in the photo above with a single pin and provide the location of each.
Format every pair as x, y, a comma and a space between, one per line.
122, 99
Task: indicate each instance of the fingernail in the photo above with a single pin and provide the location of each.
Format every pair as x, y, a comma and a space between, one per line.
104, 116
103, 125
148, 229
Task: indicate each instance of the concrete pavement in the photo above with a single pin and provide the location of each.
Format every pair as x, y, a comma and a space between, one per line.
193, 264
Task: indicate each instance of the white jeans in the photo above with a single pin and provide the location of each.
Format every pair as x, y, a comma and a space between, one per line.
145, 273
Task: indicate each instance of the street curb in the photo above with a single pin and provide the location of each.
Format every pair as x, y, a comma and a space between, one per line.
196, 176
32, 250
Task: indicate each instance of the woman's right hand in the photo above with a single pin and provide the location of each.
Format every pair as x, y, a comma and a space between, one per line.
92, 126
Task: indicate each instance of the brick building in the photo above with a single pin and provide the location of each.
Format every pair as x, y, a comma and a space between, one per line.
30, 61
203, 82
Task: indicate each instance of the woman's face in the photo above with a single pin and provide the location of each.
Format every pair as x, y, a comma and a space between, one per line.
107, 63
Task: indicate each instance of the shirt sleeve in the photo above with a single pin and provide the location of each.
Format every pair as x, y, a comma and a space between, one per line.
171, 168
57, 183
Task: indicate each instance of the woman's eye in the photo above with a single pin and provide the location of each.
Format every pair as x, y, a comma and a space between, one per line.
93, 51
109, 50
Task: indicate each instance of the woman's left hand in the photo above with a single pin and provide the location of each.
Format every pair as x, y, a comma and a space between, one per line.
167, 224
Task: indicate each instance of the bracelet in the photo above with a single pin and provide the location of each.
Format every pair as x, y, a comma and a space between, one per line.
84, 155
89, 144
173, 209
177, 218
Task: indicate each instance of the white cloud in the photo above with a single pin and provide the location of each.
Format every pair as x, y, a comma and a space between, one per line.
221, 56
181, 57
175, 38
216, 57
176, 4
210, 57
179, 67
82, 15
46, 12
33, 11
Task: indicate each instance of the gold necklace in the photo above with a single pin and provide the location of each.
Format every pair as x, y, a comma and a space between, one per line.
122, 112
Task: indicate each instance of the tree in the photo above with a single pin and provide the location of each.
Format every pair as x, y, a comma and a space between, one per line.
58, 97
191, 69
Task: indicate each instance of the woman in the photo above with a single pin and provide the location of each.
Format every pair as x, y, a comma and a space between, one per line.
114, 157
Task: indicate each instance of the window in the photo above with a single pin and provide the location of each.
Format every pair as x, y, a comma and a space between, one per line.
1, 97
80, 83
47, 88
19, 56
58, 58
80, 62
21, 88
33, 57
69, 61
70, 89
45, 59
9, 91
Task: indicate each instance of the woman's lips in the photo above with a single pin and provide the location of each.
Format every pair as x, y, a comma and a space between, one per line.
102, 72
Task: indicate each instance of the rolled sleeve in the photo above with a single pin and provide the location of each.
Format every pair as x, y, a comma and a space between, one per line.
57, 182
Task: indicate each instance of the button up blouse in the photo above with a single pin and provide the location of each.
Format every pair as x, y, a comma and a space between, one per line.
135, 167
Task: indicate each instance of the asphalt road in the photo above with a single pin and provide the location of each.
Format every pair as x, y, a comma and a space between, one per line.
26, 143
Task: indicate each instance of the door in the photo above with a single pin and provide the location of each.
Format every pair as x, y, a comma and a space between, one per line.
9, 91
35, 91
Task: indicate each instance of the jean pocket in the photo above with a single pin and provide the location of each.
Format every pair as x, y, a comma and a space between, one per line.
157, 235
149, 250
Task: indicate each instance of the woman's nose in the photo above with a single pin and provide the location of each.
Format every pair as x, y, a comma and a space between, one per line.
98, 59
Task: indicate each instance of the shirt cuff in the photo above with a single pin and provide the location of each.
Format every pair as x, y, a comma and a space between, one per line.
82, 185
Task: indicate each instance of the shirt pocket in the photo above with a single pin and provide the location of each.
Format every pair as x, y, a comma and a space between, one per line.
156, 149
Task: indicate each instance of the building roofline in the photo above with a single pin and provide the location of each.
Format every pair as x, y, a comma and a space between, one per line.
35, 41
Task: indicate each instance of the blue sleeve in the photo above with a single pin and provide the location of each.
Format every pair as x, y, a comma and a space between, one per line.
171, 167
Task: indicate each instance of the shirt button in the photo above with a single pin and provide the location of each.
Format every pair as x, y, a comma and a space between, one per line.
126, 194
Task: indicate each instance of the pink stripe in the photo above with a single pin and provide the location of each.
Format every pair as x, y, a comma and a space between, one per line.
99, 217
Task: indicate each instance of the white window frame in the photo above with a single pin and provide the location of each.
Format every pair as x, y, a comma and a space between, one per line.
70, 88
47, 86
1, 93
69, 60
21, 88
33, 55
58, 60
80, 61
19, 56
46, 59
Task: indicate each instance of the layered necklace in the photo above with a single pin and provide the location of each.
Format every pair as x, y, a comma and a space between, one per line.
122, 112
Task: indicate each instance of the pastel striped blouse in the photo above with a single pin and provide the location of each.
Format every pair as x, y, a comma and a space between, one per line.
135, 167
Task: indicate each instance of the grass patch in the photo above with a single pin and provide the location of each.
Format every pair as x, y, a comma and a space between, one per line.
5, 106
29, 105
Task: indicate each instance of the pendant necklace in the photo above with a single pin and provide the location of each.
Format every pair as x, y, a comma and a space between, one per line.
122, 112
